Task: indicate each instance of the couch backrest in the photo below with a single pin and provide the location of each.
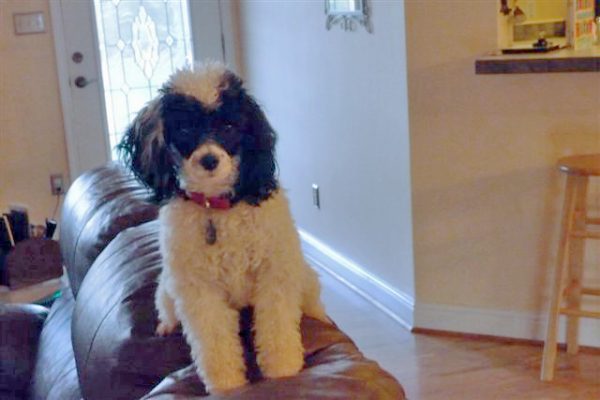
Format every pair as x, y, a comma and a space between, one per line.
100, 204
117, 353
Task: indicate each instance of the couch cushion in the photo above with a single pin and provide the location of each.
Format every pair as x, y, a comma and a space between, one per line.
55, 375
100, 204
333, 369
20, 327
119, 357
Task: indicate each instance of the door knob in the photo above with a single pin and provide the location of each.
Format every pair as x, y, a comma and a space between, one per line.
82, 81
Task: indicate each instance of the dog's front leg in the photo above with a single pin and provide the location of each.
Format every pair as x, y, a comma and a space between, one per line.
211, 327
277, 313
165, 305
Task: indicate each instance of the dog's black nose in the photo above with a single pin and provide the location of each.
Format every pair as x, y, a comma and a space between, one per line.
209, 162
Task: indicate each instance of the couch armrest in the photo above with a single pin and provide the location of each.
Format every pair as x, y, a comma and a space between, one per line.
20, 328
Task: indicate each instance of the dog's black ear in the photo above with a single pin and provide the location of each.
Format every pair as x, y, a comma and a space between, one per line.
143, 150
257, 171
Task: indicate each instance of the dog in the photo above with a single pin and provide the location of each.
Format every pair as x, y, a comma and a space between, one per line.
227, 237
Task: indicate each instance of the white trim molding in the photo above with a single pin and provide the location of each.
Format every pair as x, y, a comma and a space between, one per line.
510, 324
66, 102
397, 305
402, 308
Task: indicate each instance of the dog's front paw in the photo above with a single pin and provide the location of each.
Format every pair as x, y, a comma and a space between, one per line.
279, 366
164, 329
225, 384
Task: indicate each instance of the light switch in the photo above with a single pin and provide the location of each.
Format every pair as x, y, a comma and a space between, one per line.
27, 23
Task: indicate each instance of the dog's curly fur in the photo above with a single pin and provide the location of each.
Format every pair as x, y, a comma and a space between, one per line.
256, 259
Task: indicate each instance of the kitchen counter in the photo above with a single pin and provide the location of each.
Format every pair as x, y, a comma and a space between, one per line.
563, 60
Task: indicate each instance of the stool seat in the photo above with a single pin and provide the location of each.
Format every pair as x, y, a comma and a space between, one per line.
583, 165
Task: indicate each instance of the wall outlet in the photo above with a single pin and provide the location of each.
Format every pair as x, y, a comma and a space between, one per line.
316, 195
57, 184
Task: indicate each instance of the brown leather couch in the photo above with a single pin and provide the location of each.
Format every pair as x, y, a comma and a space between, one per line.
98, 342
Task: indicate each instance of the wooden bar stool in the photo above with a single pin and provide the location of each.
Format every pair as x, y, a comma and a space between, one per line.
569, 261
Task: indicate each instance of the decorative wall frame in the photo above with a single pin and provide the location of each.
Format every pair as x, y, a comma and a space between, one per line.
348, 14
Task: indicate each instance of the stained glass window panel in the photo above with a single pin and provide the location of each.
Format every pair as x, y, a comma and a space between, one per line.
141, 43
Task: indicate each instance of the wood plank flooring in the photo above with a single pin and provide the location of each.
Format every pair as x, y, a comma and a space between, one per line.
432, 367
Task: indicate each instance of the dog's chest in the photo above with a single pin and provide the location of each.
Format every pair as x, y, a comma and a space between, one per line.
232, 261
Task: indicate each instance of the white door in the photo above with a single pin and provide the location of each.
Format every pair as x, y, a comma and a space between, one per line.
114, 55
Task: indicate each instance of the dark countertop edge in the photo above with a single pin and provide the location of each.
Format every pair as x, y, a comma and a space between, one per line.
487, 65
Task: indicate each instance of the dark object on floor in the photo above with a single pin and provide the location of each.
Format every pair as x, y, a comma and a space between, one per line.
50, 228
3, 277
6, 237
19, 221
7, 242
98, 339
32, 261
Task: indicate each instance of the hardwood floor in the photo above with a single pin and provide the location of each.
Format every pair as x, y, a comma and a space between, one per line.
31, 293
432, 367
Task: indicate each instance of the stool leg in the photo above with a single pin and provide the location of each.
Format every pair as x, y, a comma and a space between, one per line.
575, 264
549, 359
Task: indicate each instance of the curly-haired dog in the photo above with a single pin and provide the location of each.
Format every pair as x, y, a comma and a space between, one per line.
226, 233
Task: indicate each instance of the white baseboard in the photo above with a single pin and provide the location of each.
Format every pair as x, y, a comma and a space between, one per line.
510, 324
396, 304
402, 308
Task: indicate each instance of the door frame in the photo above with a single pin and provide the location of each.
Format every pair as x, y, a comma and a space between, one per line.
64, 85
219, 43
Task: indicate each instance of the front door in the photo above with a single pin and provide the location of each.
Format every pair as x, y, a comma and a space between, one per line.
113, 56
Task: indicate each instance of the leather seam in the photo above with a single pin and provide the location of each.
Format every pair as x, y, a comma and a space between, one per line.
87, 357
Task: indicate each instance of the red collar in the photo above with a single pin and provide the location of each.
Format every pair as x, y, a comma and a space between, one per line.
222, 202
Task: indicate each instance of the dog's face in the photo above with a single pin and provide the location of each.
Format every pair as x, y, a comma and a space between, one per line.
204, 134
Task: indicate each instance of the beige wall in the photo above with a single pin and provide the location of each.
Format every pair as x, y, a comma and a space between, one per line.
32, 144
486, 195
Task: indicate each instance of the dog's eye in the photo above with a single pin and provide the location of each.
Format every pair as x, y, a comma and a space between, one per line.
229, 129
229, 136
225, 131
